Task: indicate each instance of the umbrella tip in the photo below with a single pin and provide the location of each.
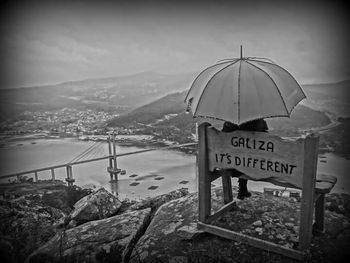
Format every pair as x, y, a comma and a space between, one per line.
241, 52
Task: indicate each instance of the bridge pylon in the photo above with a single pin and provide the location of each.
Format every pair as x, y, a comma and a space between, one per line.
113, 169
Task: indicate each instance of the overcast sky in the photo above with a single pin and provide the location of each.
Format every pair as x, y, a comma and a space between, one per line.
50, 42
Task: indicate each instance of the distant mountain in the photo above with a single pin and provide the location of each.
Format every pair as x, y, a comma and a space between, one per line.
150, 113
333, 85
164, 118
117, 94
340, 90
169, 113
333, 98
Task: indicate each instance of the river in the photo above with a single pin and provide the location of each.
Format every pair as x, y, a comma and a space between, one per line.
147, 174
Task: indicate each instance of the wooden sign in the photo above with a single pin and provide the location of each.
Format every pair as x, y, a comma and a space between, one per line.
259, 155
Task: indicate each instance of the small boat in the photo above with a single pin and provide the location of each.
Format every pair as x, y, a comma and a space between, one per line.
123, 172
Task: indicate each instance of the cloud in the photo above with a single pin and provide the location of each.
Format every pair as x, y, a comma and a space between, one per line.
57, 42
61, 49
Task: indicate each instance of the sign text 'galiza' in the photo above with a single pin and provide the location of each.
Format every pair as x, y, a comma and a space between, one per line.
258, 155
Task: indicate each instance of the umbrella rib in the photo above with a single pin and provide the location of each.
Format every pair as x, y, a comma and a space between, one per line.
227, 60
283, 70
259, 59
284, 103
201, 74
200, 97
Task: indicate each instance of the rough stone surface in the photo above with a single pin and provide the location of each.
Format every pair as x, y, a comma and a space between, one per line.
23, 227
32, 214
29, 213
98, 205
105, 240
156, 202
172, 235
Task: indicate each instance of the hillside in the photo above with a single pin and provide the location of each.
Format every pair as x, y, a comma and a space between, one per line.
167, 116
331, 97
153, 111
117, 94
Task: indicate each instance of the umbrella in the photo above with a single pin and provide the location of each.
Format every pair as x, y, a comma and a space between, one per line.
243, 89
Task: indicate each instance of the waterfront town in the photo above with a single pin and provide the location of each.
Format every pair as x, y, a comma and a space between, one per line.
86, 124
66, 122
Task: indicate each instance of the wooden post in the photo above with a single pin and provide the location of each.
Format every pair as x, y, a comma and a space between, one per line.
35, 176
53, 174
227, 187
204, 184
319, 214
308, 191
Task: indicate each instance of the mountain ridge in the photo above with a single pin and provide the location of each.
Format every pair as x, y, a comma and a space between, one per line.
117, 94
143, 74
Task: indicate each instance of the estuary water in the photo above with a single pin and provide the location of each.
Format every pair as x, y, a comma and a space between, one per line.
147, 174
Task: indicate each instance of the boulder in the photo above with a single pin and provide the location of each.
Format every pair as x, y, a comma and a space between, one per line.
173, 236
155, 202
104, 240
98, 205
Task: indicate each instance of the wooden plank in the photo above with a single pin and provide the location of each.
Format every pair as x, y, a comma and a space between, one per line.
325, 183
255, 242
323, 187
258, 155
308, 192
326, 178
204, 184
221, 211
227, 187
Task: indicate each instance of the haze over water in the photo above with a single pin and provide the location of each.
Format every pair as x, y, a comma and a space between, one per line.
163, 170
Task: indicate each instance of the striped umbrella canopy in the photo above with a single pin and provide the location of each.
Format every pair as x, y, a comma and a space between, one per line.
243, 89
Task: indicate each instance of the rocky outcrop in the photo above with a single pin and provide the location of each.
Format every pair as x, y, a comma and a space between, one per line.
172, 235
25, 225
171, 231
36, 220
103, 240
155, 202
98, 205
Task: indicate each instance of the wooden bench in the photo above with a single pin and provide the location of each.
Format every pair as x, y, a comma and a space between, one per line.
262, 157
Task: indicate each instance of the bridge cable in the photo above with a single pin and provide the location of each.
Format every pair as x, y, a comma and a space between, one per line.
90, 153
84, 153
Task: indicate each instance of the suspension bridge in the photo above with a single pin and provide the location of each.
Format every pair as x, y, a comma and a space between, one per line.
95, 151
